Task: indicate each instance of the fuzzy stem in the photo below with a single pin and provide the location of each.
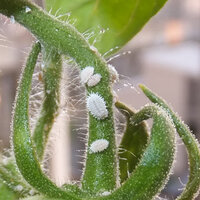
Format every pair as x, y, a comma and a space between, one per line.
192, 145
51, 77
152, 172
133, 143
25, 153
101, 174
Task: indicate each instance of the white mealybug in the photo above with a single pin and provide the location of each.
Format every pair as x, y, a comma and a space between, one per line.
86, 73
99, 145
94, 80
31, 192
94, 49
97, 106
113, 73
106, 193
19, 188
27, 9
12, 19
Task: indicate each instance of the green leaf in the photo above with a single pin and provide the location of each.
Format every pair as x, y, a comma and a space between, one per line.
191, 143
6, 193
133, 143
124, 19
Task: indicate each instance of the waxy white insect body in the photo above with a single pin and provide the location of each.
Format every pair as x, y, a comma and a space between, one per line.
12, 19
113, 73
99, 145
27, 9
97, 106
94, 80
86, 73
19, 188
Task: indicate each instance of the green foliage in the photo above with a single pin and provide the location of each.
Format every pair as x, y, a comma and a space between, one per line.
148, 170
6, 193
133, 143
124, 19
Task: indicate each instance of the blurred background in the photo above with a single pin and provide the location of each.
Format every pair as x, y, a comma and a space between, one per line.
165, 56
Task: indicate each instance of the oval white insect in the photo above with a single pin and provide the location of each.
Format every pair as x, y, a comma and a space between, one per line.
27, 9
19, 188
113, 73
86, 73
99, 145
106, 193
94, 80
97, 106
12, 19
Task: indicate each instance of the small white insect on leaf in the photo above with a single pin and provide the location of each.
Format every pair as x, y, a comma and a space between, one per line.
94, 80
106, 193
12, 19
31, 192
27, 9
113, 73
18, 188
86, 73
94, 49
99, 145
97, 106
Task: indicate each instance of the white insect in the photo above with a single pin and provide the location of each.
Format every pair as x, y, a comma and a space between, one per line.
97, 106
86, 73
12, 19
27, 9
94, 49
19, 188
106, 193
31, 192
99, 145
94, 80
113, 73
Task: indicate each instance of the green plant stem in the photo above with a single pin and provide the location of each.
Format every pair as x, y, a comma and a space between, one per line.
51, 77
152, 172
133, 143
66, 40
191, 143
25, 153
10, 175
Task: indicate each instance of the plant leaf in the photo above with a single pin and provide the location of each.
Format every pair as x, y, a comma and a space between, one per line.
133, 143
191, 143
152, 172
124, 19
6, 193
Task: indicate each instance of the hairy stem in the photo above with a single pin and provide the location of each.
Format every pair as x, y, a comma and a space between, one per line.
192, 188
101, 174
25, 153
51, 77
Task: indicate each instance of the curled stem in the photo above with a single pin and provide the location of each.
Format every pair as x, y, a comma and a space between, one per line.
192, 188
152, 171
51, 77
24, 150
66, 40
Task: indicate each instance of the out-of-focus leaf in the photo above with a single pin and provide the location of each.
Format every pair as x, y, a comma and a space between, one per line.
132, 144
6, 193
124, 19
